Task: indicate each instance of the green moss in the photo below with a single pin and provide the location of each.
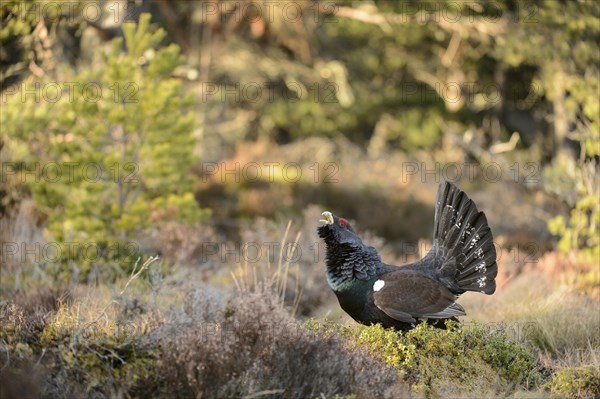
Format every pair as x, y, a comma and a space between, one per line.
106, 362
576, 382
103, 359
52, 335
472, 357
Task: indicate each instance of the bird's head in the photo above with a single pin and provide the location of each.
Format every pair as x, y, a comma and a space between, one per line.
335, 230
346, 257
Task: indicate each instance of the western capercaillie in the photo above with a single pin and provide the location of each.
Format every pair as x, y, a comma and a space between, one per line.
462, 258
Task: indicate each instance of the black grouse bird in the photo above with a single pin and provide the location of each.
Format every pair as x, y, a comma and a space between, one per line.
462, 258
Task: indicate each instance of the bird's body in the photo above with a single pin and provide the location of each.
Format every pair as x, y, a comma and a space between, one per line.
462, 258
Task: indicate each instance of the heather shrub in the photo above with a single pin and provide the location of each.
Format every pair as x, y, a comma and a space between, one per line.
253, 346
76, 342
40, 358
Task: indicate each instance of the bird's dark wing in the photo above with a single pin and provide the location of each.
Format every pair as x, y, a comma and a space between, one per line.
408, 294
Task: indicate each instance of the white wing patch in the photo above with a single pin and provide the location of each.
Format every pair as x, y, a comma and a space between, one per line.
378, 285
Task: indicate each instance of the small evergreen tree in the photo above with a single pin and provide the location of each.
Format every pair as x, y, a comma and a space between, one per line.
111, 147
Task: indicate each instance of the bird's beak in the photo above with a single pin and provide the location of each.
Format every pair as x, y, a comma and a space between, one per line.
328, 218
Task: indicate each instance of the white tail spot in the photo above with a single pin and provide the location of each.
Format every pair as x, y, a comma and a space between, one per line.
474, 241
378, 285
479, 253
481, 267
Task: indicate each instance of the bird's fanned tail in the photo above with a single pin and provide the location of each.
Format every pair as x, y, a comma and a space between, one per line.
463, 252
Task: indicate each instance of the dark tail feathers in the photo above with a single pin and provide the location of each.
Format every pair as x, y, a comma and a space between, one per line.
463, 243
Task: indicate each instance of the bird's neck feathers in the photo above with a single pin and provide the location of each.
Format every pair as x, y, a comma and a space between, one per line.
348, 262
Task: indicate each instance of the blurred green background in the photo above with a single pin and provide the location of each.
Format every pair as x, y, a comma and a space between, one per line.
112, 129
